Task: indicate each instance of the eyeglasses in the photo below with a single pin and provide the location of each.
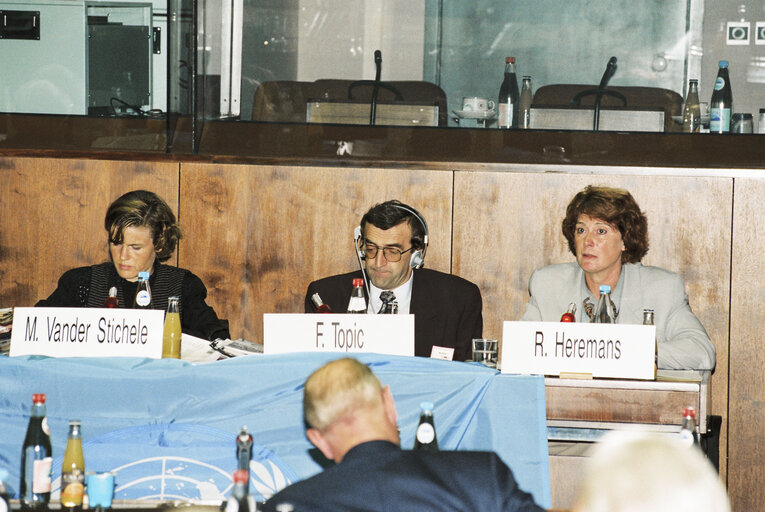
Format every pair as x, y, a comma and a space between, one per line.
391, 254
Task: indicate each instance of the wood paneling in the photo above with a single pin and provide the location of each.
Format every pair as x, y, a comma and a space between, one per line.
52, 213
746, 468
261, 234
508, 224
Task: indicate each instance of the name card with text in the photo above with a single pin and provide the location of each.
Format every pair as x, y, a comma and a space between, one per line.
603, 350
383, 334
87, 332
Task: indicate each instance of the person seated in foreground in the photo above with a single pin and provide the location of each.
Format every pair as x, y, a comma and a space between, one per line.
608, 234
643, 472
142, 232
392, 242
351, 419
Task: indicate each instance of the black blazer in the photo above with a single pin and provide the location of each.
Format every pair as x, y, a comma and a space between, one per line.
379, 476
446, 308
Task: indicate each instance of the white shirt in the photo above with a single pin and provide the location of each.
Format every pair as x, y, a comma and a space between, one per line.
403, 297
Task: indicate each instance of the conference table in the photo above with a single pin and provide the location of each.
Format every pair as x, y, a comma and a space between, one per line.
167, 428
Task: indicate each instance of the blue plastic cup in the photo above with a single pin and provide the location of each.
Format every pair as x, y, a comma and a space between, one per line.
100, 489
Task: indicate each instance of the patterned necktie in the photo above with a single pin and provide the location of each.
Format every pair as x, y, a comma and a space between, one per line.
389, 304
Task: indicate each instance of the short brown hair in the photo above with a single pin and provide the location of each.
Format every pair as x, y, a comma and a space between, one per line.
141, 208
338, 388
615, 206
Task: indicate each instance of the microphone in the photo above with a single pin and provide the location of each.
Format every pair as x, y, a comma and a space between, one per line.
376, 87
607, 74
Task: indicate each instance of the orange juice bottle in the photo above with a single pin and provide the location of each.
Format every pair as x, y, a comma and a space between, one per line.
171, 337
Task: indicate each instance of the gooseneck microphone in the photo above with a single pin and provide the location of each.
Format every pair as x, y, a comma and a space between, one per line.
607, 74
376, 87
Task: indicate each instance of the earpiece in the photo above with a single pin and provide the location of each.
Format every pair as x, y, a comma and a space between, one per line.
356, 238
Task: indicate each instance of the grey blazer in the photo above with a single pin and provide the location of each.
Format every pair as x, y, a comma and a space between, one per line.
682, 341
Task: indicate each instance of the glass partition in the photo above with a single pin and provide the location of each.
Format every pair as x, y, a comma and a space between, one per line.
149, 74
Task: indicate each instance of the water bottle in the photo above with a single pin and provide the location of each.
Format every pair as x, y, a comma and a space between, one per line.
36, 459
648, 320
524, 104
143, 292
721, 105
691, 108
358, 303
507, 103
425, 437
604, 313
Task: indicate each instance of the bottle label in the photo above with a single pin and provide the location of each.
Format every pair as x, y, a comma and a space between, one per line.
425, 433
505, 119
3, 504
143, 298
72, 488
44, 425
719, 83
719, 120
41, 475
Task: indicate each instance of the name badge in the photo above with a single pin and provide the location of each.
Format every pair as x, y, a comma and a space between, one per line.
382, 334
87, 332
602, 350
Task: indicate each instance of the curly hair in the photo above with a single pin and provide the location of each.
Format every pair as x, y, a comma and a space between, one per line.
615, 206
141, 208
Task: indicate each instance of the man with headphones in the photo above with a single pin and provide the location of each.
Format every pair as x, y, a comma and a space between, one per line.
391, 243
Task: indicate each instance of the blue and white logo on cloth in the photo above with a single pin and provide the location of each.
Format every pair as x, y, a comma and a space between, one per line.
151, 463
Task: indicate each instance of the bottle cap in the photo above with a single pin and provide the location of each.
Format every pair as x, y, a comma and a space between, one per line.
510, 60
689, 411
75, 422
38, 398
526, 77
426, 406
693, 81
604, 288
723, 63
113, 291
241, 476
357, 281
143, 275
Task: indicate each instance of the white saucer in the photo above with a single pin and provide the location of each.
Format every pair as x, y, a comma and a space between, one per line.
475, 114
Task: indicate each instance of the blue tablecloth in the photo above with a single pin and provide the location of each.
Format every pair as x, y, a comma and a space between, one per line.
168, 427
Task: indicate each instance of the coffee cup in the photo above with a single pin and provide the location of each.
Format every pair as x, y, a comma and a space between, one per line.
476, 104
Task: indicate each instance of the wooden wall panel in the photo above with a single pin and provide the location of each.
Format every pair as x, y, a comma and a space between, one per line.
508, 224
746, 480
52, 213
258, 235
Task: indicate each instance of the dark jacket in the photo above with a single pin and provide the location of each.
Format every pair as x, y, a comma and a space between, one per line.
446, 308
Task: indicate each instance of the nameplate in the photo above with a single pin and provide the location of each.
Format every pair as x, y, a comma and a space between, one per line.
87, 332
382, 334
602, 350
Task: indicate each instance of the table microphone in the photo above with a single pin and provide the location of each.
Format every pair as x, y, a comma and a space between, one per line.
607, 74
376, 87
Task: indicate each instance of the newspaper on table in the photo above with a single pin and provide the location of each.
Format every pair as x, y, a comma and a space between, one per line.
198, 350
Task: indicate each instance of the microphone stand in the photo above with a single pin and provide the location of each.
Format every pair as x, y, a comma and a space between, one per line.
376, 87
609, 72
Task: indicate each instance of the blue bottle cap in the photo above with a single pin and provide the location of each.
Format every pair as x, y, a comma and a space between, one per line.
723, 63
143, 275
426, 406
604, 288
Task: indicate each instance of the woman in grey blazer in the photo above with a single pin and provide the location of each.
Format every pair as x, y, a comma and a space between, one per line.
608, 234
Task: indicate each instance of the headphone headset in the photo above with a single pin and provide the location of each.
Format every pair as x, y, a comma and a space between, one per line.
418, 257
